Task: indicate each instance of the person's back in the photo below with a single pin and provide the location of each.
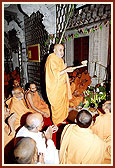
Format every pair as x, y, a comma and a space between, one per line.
79, 145
102, 125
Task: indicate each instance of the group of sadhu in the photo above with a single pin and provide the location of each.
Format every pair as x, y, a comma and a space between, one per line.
33, 124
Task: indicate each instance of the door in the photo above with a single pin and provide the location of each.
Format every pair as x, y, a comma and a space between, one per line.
81, 50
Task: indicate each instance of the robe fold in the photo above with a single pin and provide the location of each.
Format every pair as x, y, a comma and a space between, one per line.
17, 106
57, 88
102, 126
76, 100
40, 105
86, 79
16, 75
81, 146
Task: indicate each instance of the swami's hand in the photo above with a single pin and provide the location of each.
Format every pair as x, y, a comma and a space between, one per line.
45, 114
69, 69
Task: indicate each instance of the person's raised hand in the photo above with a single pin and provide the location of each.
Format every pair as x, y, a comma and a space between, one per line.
45, 115
54, 128
49, 132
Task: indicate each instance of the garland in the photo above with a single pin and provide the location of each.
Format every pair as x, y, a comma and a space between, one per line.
84, 31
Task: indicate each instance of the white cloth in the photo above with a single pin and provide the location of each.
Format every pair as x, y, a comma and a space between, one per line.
50, 152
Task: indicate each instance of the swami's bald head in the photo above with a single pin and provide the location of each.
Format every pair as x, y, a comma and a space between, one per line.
59, 50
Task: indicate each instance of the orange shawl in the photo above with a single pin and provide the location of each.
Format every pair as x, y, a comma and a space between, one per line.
38, 103
18, 107
102, 126
81, 146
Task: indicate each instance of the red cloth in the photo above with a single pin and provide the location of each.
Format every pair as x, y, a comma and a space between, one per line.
47, 121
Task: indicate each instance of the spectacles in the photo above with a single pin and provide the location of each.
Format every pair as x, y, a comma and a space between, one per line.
39, 124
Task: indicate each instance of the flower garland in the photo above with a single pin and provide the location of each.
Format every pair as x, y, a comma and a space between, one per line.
52, 38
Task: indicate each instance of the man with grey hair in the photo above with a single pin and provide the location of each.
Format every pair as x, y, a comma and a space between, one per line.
102, 125
44, 143
17, 105
102, 128
25, 151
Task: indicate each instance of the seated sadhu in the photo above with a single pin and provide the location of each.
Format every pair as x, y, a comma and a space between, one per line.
36, 103
17, 105
14, 84
76, 98
81, 82
102, 127
85, 79
16, 74
79, 145
6, 84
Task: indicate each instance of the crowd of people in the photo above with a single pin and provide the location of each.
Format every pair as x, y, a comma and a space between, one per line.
31, 126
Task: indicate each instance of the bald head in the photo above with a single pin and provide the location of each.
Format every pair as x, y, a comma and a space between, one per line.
59, 50
34, 122
25, 150
107, 106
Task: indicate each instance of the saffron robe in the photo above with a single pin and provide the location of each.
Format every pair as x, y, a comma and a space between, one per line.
76, 100
40, 105
16, 75
57, 88
17, 106
102, 126
86, 79
81, 146
6, 78
77, 86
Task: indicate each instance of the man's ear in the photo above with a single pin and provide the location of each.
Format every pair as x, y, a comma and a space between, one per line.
106, 110
75, 121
